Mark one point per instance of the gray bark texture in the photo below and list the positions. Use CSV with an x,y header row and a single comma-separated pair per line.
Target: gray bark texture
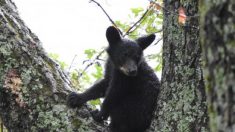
x,y
218,41
182,102
33,89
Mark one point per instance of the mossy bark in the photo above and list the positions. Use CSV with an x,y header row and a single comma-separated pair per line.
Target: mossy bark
x,y
33,89
218,41
182,102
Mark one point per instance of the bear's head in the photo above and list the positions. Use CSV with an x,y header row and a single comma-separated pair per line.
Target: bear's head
x,y
126,54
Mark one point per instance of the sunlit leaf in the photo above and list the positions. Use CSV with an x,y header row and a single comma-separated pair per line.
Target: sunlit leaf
x,y
90,53
95,102
158,67
136,11
99,72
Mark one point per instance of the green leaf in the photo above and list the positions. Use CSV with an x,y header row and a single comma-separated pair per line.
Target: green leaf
x,y
74,75
99,72
158,67
136,11
95,102
90,53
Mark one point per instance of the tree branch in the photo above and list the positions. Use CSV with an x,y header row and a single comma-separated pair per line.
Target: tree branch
x,y
94,61
158,41
134,25
72,62
110,19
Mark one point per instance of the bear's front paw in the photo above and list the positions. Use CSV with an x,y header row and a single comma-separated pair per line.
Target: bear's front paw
x,y
96,115
74,100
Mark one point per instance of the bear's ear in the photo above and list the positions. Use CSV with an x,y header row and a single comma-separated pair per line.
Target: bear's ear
x,y
112,35
145,41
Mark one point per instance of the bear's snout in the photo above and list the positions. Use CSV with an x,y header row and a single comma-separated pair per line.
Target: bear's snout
x,y
132,72
129,68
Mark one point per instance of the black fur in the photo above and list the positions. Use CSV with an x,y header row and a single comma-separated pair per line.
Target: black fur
x,y
130,88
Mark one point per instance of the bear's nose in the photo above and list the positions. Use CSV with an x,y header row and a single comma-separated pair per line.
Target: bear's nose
x,y
132,72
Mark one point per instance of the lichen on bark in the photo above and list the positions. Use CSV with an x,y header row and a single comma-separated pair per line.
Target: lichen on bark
x,y
33,88
182,102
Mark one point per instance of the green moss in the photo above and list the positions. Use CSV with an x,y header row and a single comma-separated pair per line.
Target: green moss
x,y
182,107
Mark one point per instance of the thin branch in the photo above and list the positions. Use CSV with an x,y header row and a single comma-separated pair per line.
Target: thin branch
x,y
134,25
104,12
94,61
101,59
72,62
158,31
110,19
158,41
84,70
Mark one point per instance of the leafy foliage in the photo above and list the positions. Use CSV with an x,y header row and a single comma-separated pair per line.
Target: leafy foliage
x,y
90,53
136,11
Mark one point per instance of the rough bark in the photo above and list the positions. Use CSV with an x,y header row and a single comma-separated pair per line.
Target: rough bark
x,y
218,40
182,102
33,89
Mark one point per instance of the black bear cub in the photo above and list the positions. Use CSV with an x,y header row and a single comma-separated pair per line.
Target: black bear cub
x,y
130,88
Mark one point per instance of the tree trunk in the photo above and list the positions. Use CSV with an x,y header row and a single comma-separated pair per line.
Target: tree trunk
x,y
218,40
33,89
182,101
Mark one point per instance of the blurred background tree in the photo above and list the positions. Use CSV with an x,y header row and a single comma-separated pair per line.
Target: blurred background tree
x,y
218,41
